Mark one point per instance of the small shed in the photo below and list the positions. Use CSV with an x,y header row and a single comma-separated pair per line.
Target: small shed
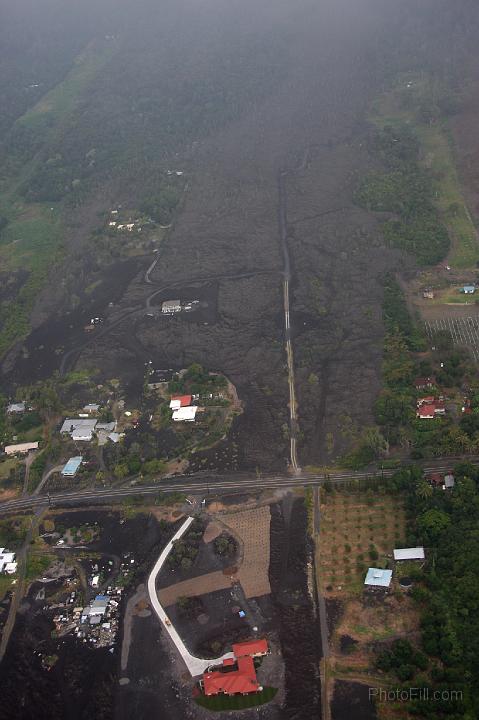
x,y
377,577
449,481
415,553
469,289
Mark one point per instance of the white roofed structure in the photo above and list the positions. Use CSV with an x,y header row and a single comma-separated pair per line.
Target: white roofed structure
x,y
415,553
21,448
186,414
377,577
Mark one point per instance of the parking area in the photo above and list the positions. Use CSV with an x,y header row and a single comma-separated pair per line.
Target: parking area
x,y
464,331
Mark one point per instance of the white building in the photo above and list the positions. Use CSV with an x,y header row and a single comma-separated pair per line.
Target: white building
x,y
171,306
21,448
186,414
7,561
415,553
79,428
16,408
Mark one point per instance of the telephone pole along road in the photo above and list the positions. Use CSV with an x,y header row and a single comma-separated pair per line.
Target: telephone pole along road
x,y
203,486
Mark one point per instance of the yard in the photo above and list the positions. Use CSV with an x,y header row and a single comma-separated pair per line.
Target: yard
x,y
358,530
236,702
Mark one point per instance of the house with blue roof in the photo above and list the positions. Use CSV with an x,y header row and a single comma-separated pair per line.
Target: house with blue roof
x,y
71,468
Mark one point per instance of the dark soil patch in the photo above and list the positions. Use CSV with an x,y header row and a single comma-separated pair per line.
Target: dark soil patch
x,y
46,344
351,700
83,681
334,611
223,628
296,616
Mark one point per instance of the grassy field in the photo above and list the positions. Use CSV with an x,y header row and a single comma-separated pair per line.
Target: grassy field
x,y
33,239
358,530
400,105
61,99
237,702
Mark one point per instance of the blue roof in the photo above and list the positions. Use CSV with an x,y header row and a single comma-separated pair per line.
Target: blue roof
x,y
378,577
469,288
72,465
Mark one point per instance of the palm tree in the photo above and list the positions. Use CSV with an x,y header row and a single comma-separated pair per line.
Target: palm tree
x,y
423,490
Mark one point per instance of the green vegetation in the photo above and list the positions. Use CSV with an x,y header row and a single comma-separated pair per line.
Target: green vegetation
x,y
406,190
422,105
447,591
236,702
197,381
36,565
13,531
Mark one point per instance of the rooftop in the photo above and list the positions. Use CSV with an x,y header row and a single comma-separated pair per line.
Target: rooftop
x,y
185,413
377,577
250,648
72,465
415,553
178,401
243,680
73,425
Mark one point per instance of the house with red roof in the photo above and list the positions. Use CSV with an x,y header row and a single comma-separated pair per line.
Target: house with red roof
x,y
251,648
426,412
179,401
241,681
237,676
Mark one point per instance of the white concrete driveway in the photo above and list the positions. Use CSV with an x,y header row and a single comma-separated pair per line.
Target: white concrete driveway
x,y
195,665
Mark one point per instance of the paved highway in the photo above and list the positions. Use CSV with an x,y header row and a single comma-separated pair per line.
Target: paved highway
x,y
211,485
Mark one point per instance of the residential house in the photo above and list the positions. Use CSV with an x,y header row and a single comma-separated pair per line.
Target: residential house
x,y
71,467
186,414
178,401
16,408
21,448
378,578
171,306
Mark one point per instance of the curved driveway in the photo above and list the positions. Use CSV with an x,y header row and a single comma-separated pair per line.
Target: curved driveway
x,y
195,665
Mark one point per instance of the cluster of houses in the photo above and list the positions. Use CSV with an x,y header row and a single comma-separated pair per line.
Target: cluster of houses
x,y
380,578
97,623
84,427
183,410
129,226
237,674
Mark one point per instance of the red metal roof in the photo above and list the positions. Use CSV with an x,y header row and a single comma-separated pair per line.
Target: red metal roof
x,y
242,680
185,400
426,411
250,647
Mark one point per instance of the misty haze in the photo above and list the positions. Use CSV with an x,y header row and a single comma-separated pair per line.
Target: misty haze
x,y
239,347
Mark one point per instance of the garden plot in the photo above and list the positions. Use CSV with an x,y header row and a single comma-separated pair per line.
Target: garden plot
x,y
358,530
464,331
253,527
